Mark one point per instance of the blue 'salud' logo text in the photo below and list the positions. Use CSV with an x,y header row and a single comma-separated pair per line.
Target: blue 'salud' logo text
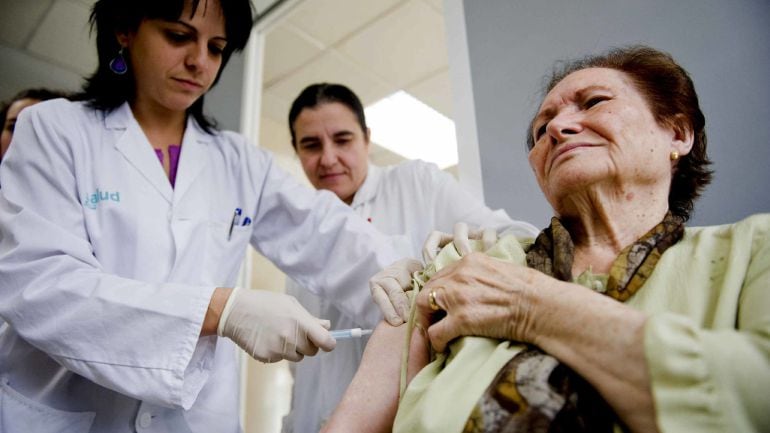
x,y
92,200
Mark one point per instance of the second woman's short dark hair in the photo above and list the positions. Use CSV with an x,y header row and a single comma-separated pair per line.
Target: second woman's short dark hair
x,y
672,99
36,93
324,93
106,90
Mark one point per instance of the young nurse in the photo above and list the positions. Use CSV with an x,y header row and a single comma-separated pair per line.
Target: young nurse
x,y
123,220
407,202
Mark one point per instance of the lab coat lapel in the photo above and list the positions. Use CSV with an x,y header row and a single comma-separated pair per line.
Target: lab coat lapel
x,y
364,198
135,147
193,159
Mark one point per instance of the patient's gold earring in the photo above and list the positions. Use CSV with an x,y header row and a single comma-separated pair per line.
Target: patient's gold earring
x,y
674,155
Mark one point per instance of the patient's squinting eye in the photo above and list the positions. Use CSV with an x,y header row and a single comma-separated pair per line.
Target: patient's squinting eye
x,y
540,131
590,102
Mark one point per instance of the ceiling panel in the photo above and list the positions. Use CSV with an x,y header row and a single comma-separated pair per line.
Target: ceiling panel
x,y
63,37
261,6
435,91
19,19
331,20
285,51
406,46
88,3
335,68
437,4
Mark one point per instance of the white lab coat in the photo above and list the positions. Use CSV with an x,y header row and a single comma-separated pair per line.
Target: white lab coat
x,y
406,201
106,271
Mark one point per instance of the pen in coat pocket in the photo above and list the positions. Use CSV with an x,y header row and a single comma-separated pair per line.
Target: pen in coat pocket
x,y
234,222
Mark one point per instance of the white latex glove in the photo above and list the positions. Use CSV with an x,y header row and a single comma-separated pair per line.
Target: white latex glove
x,y
388,288
272,326
461,239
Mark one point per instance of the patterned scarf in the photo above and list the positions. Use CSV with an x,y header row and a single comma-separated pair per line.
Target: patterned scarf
x,y
534,392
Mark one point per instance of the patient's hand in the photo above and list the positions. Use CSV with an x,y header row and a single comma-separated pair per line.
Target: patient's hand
x,y
483,296
371,400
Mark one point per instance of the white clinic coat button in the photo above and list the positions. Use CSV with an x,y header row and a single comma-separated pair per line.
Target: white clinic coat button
x,y
145,420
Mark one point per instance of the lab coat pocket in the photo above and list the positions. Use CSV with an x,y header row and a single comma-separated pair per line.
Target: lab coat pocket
x,y
224,251
227,240
19,414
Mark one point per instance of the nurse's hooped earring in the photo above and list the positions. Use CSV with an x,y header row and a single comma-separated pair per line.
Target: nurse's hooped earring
x,y
118,65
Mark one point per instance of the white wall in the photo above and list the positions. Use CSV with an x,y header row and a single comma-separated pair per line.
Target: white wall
x,y
725,45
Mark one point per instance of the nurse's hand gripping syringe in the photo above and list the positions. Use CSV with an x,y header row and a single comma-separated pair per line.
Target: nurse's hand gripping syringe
x,y
344,334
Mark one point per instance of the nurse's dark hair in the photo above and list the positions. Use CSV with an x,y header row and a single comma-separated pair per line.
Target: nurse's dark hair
x,y
671,97
36,93
324,93
106,90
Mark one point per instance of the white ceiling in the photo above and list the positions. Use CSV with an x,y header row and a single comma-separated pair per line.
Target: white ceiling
x,y
374,47
53,30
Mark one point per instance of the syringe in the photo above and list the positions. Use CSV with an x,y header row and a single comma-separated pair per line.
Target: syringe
x,y
344,334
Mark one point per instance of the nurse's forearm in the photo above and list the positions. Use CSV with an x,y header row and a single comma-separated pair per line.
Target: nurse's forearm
x,y
214,311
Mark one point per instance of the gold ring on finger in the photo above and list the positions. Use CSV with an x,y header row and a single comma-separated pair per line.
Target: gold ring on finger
x,y
432,301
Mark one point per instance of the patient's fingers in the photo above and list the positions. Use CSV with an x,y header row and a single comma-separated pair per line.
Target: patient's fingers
x,y
438,335
432,305
436,317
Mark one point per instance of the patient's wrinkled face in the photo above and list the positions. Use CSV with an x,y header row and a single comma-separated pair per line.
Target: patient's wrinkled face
x,y
595,128
332,148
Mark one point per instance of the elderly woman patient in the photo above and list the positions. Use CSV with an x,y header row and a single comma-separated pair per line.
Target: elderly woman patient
x,y
623,319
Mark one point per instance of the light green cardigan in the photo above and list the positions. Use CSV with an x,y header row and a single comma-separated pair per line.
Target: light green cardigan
x,y
707,341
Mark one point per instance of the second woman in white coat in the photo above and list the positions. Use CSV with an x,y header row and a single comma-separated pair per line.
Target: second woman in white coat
x,y
406,202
